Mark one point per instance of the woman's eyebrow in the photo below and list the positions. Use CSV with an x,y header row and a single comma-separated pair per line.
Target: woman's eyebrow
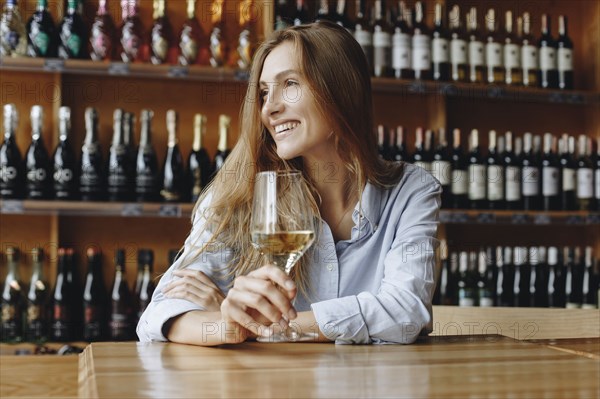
x,y
279,75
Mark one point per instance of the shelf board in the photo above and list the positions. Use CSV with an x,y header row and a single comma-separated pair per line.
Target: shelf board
x,y
184,210
230,75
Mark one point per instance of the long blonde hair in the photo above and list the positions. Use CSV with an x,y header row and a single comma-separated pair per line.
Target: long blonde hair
x,y
335,67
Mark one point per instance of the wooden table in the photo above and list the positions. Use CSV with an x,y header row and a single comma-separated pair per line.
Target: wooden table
x,y
458,366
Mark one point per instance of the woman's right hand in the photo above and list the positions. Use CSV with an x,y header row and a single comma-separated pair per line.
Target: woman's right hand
x,y
259,299
196,287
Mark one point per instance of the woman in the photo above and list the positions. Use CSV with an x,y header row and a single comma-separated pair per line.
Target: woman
x,y
369,277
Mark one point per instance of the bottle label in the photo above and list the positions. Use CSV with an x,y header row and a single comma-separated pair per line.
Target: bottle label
x,y
464,299
597,180
8,178
585,183
486,302
568,179
40,42
439,50
512,56
550,181
189,50
364,38
442,171
458,52
495,183
421,52
547,58
73,44
460,182
476,57
493,54
565,59
100,44
381,38
477,182
513,183
160,46
424,165
401,51
63,175
61,312
529,57
531,181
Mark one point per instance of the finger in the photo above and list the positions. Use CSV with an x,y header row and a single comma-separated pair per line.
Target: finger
x,y
233,313
209,299
196,274
188,283
275,274
262,296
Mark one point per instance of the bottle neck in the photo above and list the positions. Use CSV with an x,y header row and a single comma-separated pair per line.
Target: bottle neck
x,y
526,24
159,9
71,7
419,12
191,9
545,25
472,20
547,143
172,129
438,15
13,267
509,23
456,139
90,128
562,25
102,9
491,21
223,133
474,141
509,144
42,5
199,125
492,141
146,133
117,129
217,12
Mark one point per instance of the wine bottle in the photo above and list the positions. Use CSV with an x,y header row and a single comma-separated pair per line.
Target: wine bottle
x,y
223,147
11,171
37,300
323,13
382,142
283,17
64,169
529,54
475,49
522,277
451,295
568,173
530,176
440,53
460,176
564,56
590,281
91,175
339,17
300,16
146,289
540,270
363,32
467,289
486,283
458,47
119,173
421,45
37,162
121,323
64,321
133,34
103,36
401,51
495,175
507,297
421,156
11,329
41,32
494,51
218,42
13,36
576,273
399,152
548,74
173,170
382,43
95,299
247,39
477,174
550,175
199,164
440,287
193,43
161,35
512,53
585,176
128,140
146,167
73,34
441,168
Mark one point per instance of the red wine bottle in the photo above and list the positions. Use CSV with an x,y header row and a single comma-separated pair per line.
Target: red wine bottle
x,y
550,175
64,324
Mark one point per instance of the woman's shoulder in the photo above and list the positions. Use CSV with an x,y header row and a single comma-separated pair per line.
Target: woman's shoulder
x,y
415,179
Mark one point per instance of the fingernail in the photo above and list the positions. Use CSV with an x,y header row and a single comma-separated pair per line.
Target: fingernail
x,y
290,285
283,323
292,314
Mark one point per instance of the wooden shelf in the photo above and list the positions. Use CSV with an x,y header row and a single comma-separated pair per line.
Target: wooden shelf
x,y
539,218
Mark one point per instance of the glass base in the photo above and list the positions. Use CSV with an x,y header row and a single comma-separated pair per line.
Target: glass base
x,y
291,336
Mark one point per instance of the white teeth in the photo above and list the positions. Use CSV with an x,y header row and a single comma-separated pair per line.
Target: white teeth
x,y
285,126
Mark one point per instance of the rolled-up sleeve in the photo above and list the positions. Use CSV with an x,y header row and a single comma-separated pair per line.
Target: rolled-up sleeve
x,y
401,308
212,262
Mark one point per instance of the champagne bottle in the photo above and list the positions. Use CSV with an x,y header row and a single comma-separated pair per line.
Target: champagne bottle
x,y
146,288
91,175
421,156
382,142
486,283
477,174
120,325
507,297
494,51
37,162
475,49
540,270
11,171
300,15
146,176
64,319
399,152
440,55
119,173
382,43
363,31
460,176
401,51
530,176
11,329
64,173
13,36
247,39
529,54
556,280
173,170
550,175
133,34
568,174
103,37
37,300
512,53
218,42
512,176
585,176
575,274
223,147
192,39
548,74
95,299
199,164
41,32
458,47
564,56
421,45
73,34
522,277
161,36
495,175
441,168
467,289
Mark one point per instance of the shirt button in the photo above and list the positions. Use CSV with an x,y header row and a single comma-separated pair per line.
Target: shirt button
x,y
330,267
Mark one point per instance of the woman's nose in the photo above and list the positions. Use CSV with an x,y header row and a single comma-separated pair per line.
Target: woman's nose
x,y
273,103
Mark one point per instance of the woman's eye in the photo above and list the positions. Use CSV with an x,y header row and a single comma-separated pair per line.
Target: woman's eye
x,y
264,94
291,83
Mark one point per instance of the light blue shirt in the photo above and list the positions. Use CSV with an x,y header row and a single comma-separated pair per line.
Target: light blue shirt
x,y
375,287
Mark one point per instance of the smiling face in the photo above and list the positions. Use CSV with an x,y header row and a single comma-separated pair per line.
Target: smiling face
x,y
289,110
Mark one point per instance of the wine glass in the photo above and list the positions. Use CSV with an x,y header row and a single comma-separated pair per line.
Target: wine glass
x,y
282,228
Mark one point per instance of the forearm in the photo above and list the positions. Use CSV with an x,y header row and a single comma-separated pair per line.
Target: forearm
x,y
202,328
306,322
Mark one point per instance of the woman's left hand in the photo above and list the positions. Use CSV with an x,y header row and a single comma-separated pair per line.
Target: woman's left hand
x,y
196,287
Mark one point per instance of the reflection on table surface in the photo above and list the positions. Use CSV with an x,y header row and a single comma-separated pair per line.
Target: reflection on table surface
x,y
433,367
